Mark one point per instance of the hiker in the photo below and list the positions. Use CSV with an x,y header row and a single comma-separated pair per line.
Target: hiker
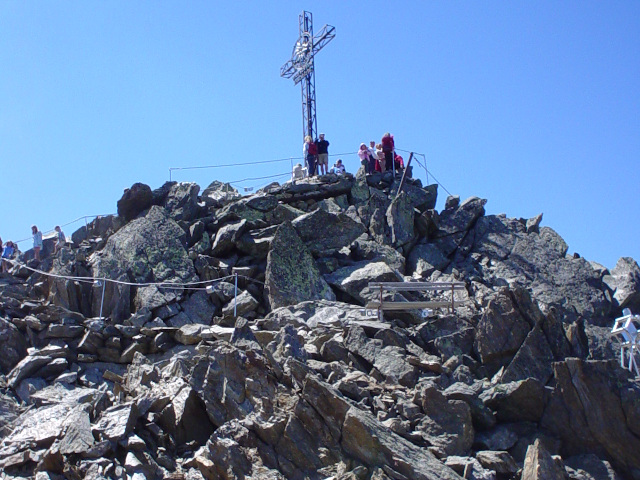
x,y
338,168
399,163
310,152
60,239
9,249
372,156
37,241
380,162
0,247
298,172
388,146
323,154
363,154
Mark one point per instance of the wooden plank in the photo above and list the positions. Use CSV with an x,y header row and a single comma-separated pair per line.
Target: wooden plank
x,y
417,286
412,305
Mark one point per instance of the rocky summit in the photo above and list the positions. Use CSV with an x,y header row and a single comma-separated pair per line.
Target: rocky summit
x,y
218,336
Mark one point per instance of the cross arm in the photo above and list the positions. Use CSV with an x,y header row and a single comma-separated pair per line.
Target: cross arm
x,y
323,37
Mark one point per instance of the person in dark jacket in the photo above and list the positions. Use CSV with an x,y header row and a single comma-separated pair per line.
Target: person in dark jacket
x,y
388,147
323,155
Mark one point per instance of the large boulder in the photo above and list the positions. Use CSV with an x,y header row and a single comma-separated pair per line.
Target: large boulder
x,y
540,465
146,250
292,275
323,231
134,200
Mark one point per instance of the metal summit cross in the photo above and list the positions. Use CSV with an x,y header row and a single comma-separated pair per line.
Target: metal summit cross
x,y
300,67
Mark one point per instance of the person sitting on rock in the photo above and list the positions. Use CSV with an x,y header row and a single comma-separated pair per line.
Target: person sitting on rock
x,y
298,172
61,240
7,253
37,241
338,168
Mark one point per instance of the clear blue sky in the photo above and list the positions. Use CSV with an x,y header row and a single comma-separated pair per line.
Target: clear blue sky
x,y
532,105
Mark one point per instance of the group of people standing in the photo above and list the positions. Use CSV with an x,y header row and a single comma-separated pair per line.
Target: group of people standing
x,y
375,158
8,250
381,157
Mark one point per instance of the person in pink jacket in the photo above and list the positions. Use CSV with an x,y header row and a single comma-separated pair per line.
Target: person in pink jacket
x,y
388,147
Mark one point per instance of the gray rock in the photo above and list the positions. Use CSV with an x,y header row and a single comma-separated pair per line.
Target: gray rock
x,y
516,401
539,465
424,259
226,237
181,201
373,252
292,275
219,193
27,367
500,462
400,216
244,304
374,445
354,279
501,329
78,437
447,425
591,410
147,249
322,231
12,345
199,308
625,283
533,359
116,422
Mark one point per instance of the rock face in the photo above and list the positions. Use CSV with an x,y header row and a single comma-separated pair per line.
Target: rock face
x,y
234,343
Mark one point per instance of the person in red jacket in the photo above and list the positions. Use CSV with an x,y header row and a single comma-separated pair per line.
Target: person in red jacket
x,y
388,147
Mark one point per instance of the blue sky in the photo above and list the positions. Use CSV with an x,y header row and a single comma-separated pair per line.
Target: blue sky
x,y
532,105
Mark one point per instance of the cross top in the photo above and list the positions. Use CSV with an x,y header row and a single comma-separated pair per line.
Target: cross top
x,y
301,67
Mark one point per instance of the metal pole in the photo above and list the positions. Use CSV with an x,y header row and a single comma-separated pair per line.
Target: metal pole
x,y
452,298
380,306
169,174
235,298
104,284
404,174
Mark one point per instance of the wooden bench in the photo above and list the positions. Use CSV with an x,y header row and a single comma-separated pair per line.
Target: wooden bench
x,y
380,305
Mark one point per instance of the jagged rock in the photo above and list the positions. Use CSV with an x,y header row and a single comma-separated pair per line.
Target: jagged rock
x,y
447,425
501,329
185,418
590,411
12,345
199,308
452,202
150,248
116,422
226,238
516,401
219,193
424,259
500,462
400,217
533,224
483,418
624,280
421,199
354,279
134,200
533,359
373,252
242,305
322,231
374,445
256,242
539,465
27,367
78,437
292,275
181,201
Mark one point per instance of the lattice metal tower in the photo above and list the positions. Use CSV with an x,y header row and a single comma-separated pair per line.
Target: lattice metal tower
x,y
301,68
